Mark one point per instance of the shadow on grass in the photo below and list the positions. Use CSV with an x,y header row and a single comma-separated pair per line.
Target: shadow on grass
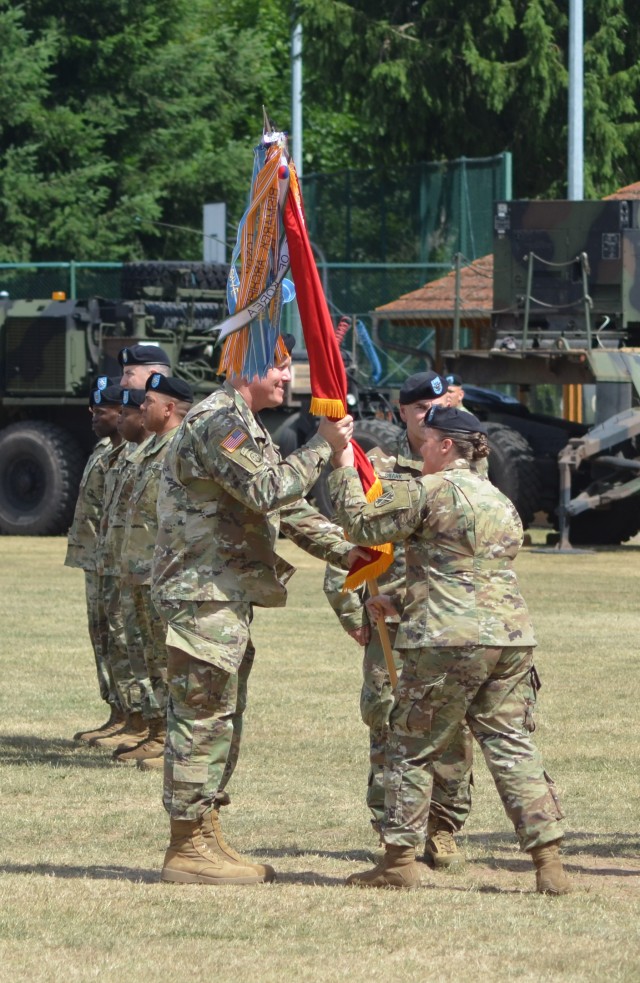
x,y
134,874
602,846
25,749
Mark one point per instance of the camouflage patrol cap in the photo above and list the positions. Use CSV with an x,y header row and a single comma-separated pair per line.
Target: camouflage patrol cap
x,y
451,420
142,354
133,397
422,385
109,396
170,386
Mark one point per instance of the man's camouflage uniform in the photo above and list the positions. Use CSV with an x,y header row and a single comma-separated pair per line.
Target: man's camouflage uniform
x,y
122,651
451,796
466,640
141,528
224,496
81,552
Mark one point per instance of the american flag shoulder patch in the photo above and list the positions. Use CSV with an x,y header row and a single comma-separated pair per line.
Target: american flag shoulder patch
x,y
234,439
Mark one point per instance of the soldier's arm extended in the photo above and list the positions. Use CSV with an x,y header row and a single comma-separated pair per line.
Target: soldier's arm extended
x,y
314,533
392,517
348,605
232,457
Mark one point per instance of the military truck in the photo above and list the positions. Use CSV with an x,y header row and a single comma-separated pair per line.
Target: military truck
x,y
51,351
566,312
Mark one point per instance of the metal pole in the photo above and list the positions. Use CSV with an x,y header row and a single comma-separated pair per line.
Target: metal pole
x,y
296,97
575,162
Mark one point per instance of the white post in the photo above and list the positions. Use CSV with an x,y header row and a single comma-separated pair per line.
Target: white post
x,y
296,97
575,162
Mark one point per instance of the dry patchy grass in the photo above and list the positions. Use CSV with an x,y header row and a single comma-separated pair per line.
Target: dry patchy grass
x,y
83,839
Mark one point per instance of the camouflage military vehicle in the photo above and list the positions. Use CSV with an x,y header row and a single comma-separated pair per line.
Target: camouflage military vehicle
x,y
566,311
52,350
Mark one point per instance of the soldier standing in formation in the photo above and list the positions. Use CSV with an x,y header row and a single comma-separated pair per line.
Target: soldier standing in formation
x,y
83,539
467,642
451,797
167,401
225,494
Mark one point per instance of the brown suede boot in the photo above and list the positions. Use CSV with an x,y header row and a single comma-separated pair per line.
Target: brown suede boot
x,y
151,747
113,724
550,875
151,764
133,732
398,869
441,850
216,842
189,860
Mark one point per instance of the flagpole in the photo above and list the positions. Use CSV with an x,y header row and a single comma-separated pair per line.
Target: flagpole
x,y
383,632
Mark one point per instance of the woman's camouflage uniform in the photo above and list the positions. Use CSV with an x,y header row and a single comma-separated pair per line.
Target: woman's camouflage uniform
x,y
451,795
466,640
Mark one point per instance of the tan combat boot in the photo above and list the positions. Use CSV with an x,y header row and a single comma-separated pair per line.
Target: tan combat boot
x,y
216,842
133,732
151,764
550,875
113,724
398,868
189,860
151,747
441,850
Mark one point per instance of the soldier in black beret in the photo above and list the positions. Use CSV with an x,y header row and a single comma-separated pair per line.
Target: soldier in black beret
x,y
139,361
170,386
452,420
456,392
423,385
109,396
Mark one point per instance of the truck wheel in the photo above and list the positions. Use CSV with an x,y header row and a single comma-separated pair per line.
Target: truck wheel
x,y
40,470
202,276
369,434
512,469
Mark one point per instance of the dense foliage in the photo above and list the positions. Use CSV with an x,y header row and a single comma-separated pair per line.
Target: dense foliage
x,y
119,113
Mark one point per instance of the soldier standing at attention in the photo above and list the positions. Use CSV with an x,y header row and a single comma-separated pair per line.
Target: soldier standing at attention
x,y
140,361
451,796
122,650
166,403
82,542
225,494
467,642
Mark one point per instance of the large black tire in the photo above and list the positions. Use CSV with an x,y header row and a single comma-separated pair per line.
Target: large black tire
x,y
512,469
203,276
369,434
40,470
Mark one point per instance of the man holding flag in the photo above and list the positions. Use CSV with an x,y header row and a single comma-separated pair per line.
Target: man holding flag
x,y
225,495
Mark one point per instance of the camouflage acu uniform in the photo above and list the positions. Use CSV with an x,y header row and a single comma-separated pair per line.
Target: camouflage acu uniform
x,y
122,651
467,641
224,496
451,796
81,552
140,531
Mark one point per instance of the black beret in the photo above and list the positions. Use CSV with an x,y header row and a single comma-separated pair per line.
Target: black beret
x,y
289,342
143,355
451,420
423,385
454,380
109,396
170,386
133,397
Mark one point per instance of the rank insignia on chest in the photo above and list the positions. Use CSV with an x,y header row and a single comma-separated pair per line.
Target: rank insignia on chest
x,y
234,439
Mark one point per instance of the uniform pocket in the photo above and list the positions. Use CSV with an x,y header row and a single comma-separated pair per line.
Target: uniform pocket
x,y
416,704
532,685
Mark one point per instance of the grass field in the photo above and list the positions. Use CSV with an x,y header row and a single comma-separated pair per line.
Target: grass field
x,y
83,839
